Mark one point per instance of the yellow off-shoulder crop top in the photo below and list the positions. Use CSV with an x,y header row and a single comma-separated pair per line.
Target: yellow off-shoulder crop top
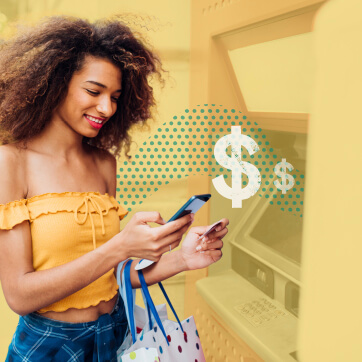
x,y
65,226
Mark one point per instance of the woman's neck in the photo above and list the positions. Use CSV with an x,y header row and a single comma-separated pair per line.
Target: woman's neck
x,y
59,140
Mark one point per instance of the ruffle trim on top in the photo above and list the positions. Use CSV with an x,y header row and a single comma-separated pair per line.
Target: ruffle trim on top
x,y
64,304
13,213
16,212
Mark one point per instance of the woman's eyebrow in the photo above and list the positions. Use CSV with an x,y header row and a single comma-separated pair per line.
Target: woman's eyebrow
x,y
100,84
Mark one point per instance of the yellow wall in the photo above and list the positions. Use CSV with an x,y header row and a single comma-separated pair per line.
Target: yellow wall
x,y
331,316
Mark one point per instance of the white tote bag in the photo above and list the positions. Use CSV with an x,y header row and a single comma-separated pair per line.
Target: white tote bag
x,y
141,318
174,341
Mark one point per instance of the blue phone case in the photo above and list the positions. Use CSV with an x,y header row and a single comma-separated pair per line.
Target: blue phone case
x,y
191,206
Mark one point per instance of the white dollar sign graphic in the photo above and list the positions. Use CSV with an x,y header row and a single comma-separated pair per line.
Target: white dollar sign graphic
x,y
278,169
234,163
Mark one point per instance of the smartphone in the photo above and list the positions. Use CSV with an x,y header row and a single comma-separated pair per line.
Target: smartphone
x,y
191,206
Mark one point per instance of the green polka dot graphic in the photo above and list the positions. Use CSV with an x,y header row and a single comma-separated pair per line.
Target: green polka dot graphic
x,y
184,146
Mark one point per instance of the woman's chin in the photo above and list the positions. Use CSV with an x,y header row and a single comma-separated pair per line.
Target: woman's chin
x,y
90,132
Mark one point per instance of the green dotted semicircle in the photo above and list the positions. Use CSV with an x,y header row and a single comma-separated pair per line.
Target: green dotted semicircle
x,y
185,146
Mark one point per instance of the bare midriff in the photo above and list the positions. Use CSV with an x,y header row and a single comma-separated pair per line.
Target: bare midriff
x,y
74,315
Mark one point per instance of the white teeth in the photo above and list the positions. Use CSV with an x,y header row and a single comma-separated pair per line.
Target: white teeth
x,y
94,119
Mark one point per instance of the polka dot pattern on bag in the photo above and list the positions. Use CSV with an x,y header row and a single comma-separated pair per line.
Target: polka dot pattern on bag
x,y
179,347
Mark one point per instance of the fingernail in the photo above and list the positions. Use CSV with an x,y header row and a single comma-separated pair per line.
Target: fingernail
x,y
198,247
205,238
218,228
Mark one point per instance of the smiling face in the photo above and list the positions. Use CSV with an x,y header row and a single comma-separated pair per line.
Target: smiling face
x,y
91,99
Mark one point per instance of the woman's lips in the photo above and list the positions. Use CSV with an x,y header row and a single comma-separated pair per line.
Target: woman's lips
x,y
94,121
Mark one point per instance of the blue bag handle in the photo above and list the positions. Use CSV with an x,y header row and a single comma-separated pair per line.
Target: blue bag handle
x,y
151,304
128,294
170,304
148,301
149,316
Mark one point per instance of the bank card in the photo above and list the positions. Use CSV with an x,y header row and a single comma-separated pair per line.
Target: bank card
x,y
208,231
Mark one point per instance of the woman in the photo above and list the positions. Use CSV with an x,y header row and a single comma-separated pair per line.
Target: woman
x,y
69,93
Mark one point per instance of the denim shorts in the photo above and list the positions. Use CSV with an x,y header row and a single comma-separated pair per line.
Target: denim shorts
x,y
38,338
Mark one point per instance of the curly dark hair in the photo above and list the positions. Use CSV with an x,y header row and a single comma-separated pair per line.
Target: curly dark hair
x,y
37,65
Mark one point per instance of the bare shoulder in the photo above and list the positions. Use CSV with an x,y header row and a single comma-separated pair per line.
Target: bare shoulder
x,y
12,180
107,166
105,160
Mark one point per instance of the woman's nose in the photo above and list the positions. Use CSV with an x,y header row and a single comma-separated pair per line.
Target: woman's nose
x,y
104,107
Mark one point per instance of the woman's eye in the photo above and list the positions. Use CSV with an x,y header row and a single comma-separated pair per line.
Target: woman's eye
x,y
95,93
92,92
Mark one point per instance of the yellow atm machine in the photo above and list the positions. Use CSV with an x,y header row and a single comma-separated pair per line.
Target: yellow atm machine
x,y
257,58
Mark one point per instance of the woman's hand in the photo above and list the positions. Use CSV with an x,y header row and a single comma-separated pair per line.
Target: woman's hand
x,y
139,240
200,254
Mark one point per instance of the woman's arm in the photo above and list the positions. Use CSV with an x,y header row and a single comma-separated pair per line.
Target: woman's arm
x,y
27,290
187,258
24,289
